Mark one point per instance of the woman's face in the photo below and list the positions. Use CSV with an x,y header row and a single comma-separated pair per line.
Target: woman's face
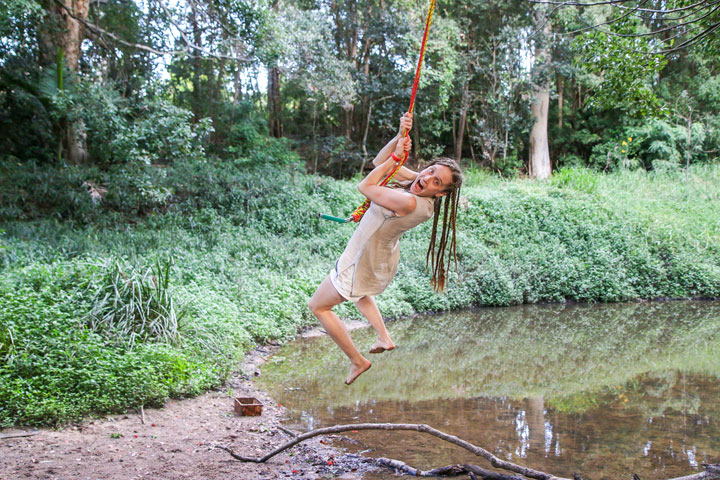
x,y
432,182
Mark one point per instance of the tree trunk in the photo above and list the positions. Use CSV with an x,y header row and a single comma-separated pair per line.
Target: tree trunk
x,y
274,107
219,80
274,103
348,122
314,133
199,103
539,162
237,93
560,88
470,143
67,34
367,129
464,103
539,166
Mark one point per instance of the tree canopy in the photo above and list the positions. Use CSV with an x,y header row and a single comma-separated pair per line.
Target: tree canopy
x,y
333,77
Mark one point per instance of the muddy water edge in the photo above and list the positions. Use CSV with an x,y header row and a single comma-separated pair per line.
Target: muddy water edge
x,y
602,390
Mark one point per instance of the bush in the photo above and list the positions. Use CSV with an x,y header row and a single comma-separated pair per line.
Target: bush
x,y
57,369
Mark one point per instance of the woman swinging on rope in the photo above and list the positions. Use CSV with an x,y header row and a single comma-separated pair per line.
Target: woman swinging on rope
x,y
370,260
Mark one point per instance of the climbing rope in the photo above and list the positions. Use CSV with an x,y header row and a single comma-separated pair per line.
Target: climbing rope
x,y
360,211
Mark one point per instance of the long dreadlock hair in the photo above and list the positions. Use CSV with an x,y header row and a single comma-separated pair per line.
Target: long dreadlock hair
x,y
439,254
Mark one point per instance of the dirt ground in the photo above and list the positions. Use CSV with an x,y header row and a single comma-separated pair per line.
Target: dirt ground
x,y
175,442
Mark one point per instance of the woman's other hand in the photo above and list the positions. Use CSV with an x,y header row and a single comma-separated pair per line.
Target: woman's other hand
x,y
404,145
405,123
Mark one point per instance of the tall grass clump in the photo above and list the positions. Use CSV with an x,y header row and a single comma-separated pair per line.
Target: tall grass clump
x,y
131,305
579,179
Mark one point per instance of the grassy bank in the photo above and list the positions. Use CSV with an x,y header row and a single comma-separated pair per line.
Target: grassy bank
x,y
159,290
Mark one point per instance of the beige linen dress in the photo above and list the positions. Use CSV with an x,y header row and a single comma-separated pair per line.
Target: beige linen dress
x,y
370,260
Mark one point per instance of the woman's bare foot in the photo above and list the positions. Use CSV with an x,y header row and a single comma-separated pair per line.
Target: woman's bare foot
x,y
357,370
381,346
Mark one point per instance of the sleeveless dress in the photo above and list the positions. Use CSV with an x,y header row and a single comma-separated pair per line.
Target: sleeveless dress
x,y
370,260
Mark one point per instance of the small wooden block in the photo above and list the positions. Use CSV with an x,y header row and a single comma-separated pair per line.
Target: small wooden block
x,y
248,406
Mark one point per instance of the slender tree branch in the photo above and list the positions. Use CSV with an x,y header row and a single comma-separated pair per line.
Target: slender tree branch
x,y
636,35
609,22
695,14
617,3
578,4
186,51
694,10
100,31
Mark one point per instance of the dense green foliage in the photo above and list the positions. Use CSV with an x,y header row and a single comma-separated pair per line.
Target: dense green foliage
x,y
243,251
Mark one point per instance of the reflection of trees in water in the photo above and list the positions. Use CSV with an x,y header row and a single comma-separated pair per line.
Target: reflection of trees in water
x,y
600,389
574,356
607,443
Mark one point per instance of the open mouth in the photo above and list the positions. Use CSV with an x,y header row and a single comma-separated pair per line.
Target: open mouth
x,y
418,186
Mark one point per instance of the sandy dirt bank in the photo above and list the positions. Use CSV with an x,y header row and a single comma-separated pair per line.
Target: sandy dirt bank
x,y
174,442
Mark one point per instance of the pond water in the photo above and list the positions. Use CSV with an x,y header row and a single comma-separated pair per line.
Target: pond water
x,y
601,390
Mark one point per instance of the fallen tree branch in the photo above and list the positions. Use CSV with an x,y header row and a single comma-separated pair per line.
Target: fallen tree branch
x,y
447,471
711,472
479,451
288,431
18,435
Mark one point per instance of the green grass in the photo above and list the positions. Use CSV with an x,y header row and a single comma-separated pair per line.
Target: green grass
x,y
248,250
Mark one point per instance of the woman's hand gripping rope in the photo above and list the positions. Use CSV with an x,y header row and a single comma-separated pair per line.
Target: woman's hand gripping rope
x,y
403,147
405,124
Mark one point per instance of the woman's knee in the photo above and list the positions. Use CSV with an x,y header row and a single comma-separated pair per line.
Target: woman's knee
x,y
365,302
324,298
317,305
313,305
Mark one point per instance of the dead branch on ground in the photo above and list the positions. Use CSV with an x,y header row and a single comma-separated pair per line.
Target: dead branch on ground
x,y
18,435
711,472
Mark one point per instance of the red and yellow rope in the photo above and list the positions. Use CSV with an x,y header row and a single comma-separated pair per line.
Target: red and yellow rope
x,y
360,211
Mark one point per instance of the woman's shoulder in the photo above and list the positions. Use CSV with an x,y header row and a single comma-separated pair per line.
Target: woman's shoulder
x,y
424,200
425,205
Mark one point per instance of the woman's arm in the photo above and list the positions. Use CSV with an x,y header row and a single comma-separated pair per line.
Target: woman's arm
x,y
398,201
404,173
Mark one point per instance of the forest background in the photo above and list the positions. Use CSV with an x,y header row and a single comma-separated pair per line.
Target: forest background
x,y
162,165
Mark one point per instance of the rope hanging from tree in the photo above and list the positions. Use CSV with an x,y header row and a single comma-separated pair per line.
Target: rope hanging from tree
x,y
360,211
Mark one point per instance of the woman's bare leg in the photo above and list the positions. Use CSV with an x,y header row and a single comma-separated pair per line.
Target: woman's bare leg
x,y
321,304
370,310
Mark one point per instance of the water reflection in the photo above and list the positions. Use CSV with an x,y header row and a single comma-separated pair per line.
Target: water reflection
x,y
603,390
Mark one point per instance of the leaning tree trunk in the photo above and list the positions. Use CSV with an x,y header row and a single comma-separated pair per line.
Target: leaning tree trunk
x,y
539,163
